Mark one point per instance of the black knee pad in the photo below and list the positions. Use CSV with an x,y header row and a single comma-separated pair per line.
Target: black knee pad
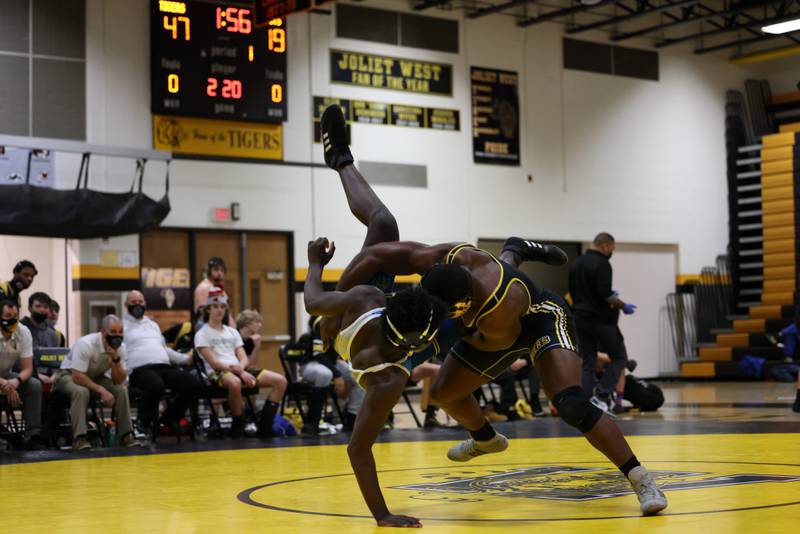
x,y
574,407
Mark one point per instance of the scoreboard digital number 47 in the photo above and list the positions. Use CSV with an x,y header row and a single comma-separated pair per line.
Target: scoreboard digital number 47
x,y
209,60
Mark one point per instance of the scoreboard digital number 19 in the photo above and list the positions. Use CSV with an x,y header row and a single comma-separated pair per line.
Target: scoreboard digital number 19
x,y
209,60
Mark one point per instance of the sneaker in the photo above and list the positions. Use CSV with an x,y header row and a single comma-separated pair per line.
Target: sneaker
x,y
651,499
523,409
432,422
81,444
469,448
533,251
537,409
129,440
334,138
603,405
492,416
618,409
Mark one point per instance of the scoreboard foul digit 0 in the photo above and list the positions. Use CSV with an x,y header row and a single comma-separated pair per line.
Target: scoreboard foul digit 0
x,y
209,60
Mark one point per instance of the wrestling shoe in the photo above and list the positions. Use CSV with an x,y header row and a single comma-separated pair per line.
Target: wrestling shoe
x,y
469,448
532,251
651,499
604,405
334,138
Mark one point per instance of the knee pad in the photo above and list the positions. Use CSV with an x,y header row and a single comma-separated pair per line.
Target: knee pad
x,y
574,407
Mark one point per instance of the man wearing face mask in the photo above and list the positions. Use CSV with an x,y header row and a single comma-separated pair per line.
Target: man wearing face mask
x,y
96,366
154,367
596,307
43,334
24,273
20,388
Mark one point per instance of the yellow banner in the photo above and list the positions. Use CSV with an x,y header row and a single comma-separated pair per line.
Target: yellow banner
x,y
204,137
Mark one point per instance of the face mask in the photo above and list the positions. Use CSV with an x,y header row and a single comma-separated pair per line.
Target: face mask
x,y
9,325
39,318
114,341
19,284
136,311
609,255
51,323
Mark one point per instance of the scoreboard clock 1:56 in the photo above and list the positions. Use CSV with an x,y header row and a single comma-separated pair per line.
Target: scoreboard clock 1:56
x,y
209,60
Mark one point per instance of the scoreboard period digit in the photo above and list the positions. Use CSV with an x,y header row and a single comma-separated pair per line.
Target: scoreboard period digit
x,y
209,60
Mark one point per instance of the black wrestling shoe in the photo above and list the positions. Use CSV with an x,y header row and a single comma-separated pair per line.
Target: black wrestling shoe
x,y
533,251
334,138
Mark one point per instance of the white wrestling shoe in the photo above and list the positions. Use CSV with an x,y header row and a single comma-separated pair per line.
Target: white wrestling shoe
x,y
651,499
469,448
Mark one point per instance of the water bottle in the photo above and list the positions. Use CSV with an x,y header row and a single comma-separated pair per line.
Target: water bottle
x,y
112,433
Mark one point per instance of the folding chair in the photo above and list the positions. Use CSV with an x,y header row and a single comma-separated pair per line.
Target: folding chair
x,y
211,392
292,356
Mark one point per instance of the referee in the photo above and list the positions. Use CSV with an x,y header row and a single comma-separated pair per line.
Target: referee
x,y
596,307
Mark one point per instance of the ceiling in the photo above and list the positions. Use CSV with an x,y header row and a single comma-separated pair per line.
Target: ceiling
x,y
730,27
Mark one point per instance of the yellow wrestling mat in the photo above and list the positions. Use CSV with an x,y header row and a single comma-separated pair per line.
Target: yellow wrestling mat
x,y
715,484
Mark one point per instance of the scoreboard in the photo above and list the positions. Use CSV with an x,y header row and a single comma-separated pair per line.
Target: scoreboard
x,y
209,60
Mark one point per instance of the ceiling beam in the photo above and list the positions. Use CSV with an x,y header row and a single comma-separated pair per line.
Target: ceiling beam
x,y
738,42
558,13
711,33
425,4
496,8
630,16
696,18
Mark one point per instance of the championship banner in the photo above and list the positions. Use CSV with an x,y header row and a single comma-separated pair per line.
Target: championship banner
x,y
379,113
204,137
495,116
384,72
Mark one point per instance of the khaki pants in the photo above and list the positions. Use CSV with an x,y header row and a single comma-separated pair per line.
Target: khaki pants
x,y
79,403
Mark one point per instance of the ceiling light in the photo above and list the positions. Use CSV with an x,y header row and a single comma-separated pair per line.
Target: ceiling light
x,y
782,27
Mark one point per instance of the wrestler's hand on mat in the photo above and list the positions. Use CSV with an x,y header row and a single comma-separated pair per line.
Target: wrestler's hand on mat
x,y
320,251
402,521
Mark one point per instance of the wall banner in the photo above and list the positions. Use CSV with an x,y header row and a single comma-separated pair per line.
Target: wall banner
x,y
495,116
205,137
384,72
379,113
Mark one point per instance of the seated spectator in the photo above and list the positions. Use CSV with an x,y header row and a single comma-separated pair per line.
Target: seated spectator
x,y
154,368
16,347
55,310
85,371
226,363
24,273
37,322
249,323
42,333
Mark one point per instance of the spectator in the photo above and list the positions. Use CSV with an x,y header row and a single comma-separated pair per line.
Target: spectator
x,y
596,308
43,334
24,273
55,310
153,368
86,370
16,347
214,277
226,363
249,323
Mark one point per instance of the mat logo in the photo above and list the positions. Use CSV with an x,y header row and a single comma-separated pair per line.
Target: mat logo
x,y
569,483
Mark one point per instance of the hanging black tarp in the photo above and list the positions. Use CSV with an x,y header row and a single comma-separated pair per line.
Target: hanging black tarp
x,y
80,213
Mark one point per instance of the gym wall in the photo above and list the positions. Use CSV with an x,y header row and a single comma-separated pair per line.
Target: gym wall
x,y
643,160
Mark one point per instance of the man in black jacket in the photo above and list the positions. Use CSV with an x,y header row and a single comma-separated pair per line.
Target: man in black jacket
x,y
596,307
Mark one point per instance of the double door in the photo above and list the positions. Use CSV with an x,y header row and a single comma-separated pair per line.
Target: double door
x,y
259,275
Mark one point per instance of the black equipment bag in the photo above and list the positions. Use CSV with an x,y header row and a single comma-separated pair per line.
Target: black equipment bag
x,y
80,213
643,395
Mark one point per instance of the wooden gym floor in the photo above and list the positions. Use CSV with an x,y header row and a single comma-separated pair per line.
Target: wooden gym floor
x,y
728,455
